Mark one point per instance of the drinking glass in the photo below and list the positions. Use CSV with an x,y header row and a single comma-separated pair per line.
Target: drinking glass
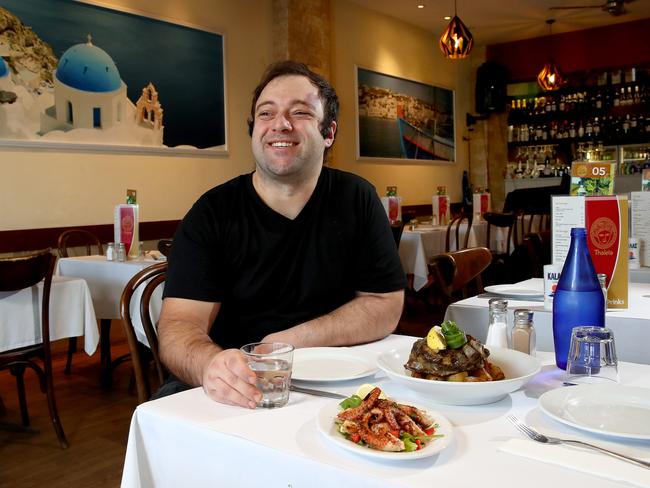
x,y
592,356
271,362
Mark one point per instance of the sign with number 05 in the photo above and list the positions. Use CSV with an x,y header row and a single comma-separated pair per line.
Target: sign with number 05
x,y
592,178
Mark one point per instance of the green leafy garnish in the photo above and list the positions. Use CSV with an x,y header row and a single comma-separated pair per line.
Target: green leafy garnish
x,y
453,335
351,402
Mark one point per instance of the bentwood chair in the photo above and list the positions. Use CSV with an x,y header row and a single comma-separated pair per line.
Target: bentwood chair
x,y
165,247
398,229
457,275
17,274
142,357
453,228
87,242
503,222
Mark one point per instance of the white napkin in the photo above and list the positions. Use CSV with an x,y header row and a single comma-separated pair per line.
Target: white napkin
x,y
585,461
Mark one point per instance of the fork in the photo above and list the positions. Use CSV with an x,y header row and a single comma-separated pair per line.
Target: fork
x,y
538,437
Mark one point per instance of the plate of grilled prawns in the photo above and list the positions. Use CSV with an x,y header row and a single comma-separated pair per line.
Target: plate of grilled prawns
x,y
371,424
453,368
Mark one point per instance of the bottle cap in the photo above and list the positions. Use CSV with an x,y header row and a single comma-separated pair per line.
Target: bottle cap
x,y
498,304
523,315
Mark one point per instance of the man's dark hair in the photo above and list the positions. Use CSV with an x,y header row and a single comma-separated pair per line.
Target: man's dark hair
x,y
325,92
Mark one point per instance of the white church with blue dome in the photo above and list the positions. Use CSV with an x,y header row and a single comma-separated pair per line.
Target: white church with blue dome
x,y
89,94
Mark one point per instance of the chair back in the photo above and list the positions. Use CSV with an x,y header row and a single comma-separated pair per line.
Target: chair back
x,y
78,238
16,274
165,247
503,220
147,281
453,228
453,273
538,252
398,229
529,223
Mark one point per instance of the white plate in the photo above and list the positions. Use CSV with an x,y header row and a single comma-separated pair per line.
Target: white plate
x,y
329,364
518,368
329,429
514,291
615,410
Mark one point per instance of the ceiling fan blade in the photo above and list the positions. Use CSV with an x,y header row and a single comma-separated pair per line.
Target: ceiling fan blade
x,y
576,7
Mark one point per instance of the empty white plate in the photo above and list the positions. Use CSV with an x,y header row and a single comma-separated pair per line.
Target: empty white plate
x,y
515,290
614,410
330,364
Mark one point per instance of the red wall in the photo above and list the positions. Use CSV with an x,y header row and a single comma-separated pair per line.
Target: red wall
x,y
619,45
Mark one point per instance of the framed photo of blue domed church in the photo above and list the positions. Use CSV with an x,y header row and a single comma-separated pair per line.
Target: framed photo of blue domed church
x,y
75,73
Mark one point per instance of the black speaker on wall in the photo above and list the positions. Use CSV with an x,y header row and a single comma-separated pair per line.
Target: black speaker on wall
x,y
491,80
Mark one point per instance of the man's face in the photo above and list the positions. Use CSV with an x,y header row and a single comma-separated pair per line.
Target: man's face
x,y
286,136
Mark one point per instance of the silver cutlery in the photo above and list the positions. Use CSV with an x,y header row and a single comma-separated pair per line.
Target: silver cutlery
x,y
538,437
311,391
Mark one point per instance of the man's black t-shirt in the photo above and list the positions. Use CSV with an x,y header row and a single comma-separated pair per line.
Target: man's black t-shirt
x,y
269,272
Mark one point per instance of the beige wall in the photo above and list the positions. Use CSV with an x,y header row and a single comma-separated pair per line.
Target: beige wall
x,y
374,41
44,188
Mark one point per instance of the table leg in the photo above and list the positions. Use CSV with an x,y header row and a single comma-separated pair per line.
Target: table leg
x,y
106,378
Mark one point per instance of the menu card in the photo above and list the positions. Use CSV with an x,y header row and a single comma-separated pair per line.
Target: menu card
x,y
480,204
592,178
640,213
441,209
393,207
125,227
605,219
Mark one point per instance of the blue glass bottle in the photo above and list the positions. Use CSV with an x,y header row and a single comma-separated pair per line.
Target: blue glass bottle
x,y
578,297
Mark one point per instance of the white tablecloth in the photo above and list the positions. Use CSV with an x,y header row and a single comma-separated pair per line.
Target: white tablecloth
x,y
189,440
71,315
631,326
106,279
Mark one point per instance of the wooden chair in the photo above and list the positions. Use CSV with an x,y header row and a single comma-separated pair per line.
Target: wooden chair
x,y
141,356
165,247
87,240
529,223
538,252
17,274
398,229
457,275
454,228
497,272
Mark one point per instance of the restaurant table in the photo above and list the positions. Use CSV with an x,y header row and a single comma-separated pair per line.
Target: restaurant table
x,y
189,440
71,315
640,275
106,280
419,245
631,326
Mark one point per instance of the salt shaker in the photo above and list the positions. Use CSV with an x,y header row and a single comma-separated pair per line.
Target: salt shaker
x,y
523,333
110,252
121,252
498,328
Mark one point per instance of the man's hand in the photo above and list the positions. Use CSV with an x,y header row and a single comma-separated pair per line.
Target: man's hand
x,y
228,379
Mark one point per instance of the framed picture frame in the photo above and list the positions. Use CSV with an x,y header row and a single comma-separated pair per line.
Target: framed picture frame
x,y
99,78
403,121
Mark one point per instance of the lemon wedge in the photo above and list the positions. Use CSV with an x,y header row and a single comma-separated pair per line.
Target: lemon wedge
x,y
366,388
435,339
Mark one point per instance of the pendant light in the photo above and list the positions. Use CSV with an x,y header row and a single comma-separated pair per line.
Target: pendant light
x,y
456,41
550,78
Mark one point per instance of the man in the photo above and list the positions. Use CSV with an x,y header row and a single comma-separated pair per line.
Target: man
x,y
293,252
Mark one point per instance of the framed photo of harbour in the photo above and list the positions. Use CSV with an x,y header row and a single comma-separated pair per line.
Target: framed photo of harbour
x,y
400,120
80,75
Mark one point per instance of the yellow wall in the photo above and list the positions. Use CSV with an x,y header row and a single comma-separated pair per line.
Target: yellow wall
x,y
374,41
45,188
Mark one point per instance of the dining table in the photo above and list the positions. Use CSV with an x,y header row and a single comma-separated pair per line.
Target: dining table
x,y
631,326
419,243
106,281
187,439
71,314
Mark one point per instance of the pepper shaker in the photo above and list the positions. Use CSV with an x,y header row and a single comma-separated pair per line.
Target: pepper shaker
x,y
523,333
121,252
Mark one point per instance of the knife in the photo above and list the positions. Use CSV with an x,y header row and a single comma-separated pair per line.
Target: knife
x,y
310,391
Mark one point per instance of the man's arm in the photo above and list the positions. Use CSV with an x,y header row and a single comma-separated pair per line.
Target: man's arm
x,y
189,353
366,318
